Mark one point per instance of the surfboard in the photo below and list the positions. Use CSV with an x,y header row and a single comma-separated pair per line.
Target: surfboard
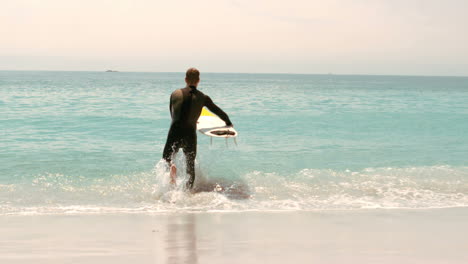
x,y
211,125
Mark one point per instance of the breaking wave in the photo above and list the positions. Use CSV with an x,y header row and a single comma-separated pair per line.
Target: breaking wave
x,y
306,189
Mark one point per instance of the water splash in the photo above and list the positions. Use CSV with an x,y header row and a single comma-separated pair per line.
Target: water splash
x,y
307,189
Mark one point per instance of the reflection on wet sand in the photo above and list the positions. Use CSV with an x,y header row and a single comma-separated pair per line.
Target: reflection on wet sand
x,y
181,240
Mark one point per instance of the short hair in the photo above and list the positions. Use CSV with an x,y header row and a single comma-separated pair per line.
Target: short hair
x,y
192,76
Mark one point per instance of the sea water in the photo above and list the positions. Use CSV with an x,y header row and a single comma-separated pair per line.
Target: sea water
x,y
91,142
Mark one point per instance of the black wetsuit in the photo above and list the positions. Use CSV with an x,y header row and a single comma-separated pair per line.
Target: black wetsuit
x,y
185,106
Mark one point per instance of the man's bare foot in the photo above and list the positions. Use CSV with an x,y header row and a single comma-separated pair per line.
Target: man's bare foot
x,y
173,174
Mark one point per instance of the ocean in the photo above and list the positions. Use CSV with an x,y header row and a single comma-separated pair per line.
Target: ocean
x,y
91,143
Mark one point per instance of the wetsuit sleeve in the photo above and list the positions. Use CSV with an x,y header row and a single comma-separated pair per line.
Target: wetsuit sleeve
x,y
217,111
170,105
175,105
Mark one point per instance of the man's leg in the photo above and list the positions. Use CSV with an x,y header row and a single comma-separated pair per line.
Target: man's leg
x,y
190,151
190,158
170,149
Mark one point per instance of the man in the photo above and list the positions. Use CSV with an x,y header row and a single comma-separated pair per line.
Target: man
x,y
185,106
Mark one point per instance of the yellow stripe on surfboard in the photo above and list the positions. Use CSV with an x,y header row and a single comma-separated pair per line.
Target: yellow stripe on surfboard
x,y
206,112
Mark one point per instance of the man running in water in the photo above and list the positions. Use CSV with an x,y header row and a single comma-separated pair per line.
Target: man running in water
x,y
185,106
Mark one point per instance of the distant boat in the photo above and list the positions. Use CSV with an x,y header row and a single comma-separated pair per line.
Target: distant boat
x,y
111,71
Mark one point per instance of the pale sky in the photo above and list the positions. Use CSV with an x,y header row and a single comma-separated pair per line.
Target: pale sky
x,y
409,37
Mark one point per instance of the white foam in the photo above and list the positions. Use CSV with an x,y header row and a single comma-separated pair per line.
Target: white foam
x,y
307,189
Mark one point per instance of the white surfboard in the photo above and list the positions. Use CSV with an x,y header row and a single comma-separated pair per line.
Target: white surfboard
x,y
211,125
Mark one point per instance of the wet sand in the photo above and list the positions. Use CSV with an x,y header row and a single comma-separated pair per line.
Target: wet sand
x,y
361,236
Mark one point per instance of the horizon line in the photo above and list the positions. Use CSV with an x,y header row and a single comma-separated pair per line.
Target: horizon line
x,y
265,73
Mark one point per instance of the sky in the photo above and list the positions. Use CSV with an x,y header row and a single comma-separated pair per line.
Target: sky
x,y
395,37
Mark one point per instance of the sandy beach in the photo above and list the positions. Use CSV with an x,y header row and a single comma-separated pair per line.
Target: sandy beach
x,y
367,236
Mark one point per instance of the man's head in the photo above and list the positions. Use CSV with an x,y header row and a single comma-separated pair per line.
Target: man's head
x,y
192,77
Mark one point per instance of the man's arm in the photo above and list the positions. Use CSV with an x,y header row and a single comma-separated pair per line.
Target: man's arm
x,y
217,111
176,105
170,105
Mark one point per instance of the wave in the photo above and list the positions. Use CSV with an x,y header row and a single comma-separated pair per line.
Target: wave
x,y
306,189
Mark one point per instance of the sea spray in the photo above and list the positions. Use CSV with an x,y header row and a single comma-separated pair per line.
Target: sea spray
x,y
307,189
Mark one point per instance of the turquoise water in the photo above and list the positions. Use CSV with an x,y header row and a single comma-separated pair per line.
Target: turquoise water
x,y
75,142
